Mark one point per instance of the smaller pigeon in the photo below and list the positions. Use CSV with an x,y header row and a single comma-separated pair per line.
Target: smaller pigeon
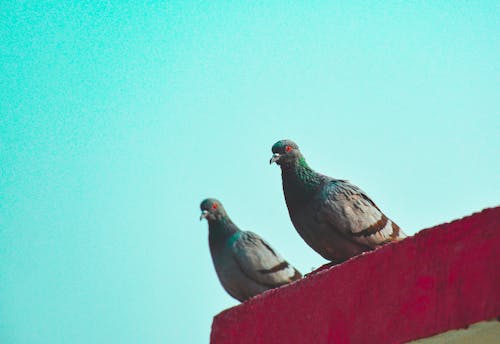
x,y
245,264
336,218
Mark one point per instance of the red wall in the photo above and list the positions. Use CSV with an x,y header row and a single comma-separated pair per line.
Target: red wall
x,y
442,278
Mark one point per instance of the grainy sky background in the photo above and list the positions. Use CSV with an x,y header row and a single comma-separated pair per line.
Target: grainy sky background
x,y
118,118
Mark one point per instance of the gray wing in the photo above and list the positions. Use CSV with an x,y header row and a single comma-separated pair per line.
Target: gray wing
x,y
261,263
348,209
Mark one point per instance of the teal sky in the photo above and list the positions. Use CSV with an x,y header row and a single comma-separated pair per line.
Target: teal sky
x,y
117,119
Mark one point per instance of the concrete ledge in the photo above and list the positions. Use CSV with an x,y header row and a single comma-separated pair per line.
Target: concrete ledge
x,y
443,278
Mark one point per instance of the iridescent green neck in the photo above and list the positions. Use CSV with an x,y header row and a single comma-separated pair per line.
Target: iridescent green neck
x,y
221,229
302,163
300,182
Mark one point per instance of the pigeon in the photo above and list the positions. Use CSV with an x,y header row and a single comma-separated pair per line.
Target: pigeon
x,y
336,218
245,264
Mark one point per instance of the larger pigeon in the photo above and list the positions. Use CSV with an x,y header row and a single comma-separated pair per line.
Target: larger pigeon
x,y
337,219
245,264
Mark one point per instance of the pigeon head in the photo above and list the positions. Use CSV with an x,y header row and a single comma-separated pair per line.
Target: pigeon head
x,y
285,152
212,210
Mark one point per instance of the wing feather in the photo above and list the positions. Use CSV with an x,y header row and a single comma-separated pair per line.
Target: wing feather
x,y
261,263
348,209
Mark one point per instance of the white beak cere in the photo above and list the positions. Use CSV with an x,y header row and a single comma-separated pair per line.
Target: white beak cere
x,y
274,158
204,214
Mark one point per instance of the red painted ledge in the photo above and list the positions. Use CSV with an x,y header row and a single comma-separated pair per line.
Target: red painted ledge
x,y
443,278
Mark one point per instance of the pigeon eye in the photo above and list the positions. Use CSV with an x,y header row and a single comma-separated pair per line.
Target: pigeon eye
x,y
288,148
214,206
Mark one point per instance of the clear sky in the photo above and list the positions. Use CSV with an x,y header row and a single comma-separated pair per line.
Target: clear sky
x,y
117,119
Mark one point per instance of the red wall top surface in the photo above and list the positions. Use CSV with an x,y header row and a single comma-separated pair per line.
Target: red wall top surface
x,y
442,278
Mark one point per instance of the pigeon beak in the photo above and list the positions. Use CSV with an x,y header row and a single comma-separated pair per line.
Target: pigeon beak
x,y
275,157
203,215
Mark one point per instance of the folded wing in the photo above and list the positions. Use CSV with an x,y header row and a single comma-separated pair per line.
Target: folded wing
x,y
259,262
348,209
